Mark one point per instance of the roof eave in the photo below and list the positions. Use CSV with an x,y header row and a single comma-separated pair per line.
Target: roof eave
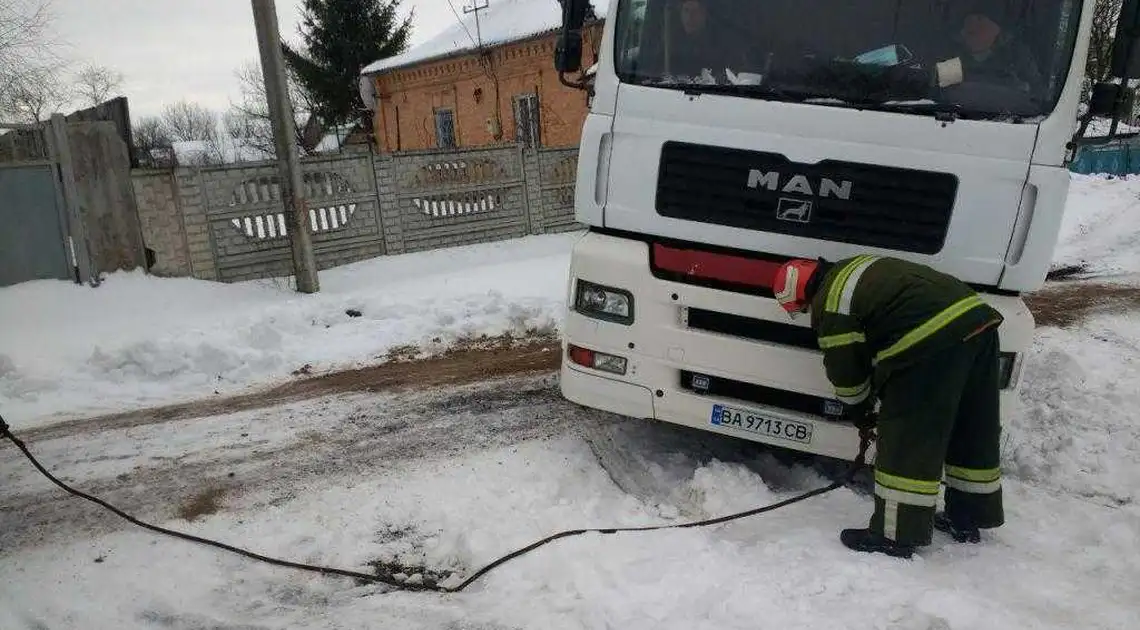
x,y
410,64
468,51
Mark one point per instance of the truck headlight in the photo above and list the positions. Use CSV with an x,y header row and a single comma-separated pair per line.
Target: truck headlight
x,y
593,300
1009,366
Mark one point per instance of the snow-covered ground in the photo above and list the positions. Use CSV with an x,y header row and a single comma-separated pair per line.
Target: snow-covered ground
x,y
452,479
1101,230
350,481
69,350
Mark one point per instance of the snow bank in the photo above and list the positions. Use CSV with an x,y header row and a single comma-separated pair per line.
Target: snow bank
x,y
140,340
501,22
1075,430
1101,227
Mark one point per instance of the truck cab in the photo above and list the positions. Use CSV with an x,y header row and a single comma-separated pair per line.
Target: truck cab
x,y
728,136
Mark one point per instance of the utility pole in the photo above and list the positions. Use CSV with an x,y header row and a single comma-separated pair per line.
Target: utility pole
x,y
284,134
476,8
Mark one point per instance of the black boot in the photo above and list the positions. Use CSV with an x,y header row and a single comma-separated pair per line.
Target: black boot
x,y
867,541
961,530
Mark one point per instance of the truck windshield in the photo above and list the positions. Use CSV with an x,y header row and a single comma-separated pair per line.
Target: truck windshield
x,y
978,59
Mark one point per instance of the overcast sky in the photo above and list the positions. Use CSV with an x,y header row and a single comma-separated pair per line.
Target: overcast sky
x,y
168,50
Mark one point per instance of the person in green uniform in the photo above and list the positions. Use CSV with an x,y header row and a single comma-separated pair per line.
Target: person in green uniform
x,y
924,346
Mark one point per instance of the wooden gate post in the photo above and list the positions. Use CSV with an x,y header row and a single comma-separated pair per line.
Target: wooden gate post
x,y
79,245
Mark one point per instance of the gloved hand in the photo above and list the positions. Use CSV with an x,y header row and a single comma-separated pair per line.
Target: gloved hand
x,y
862,415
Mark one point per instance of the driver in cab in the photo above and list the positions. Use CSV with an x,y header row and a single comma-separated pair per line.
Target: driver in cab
x,y
700,46
990,54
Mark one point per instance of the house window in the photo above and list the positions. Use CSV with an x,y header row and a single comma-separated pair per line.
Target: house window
x,y
445,129
526,119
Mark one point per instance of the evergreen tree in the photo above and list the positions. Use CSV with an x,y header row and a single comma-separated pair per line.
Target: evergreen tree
x,y
340,37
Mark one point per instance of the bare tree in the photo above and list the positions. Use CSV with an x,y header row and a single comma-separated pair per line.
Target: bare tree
x,y
1099,62
248,119
96,84
26,47
186,121
153,142
205,153
34,96
198,129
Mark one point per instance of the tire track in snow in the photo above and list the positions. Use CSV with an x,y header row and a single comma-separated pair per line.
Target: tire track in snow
x,y
467,363
323,439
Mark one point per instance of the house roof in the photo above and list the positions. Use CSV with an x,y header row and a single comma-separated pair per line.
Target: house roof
x,y
502,22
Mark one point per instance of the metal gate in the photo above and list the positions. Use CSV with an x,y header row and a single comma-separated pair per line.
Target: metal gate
x,y
33,237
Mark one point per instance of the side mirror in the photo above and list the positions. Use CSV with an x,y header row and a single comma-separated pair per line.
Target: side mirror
x,y
1126,47
1111,100
568,51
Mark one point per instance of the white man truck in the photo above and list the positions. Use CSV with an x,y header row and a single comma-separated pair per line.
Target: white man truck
x,y
725,137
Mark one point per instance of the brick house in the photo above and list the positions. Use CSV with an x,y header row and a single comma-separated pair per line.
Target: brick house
x,y
449,93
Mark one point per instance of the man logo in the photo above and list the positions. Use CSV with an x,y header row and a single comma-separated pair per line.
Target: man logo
x,y
794,210
800,185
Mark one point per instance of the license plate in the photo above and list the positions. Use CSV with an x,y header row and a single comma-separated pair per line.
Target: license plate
x,y
754,423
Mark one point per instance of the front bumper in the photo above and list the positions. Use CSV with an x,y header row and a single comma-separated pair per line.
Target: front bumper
x,y
660,345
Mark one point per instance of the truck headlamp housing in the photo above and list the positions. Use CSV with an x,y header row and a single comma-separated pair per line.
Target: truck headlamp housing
x,y
607,303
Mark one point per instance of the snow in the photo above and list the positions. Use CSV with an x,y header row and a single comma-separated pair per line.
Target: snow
x,y
136,340
332,142
1075,432
448,481
1099,127
503,21
1101,226
455,512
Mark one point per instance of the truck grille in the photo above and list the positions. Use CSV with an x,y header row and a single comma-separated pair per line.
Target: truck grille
x,y
860,204
751,328
768,396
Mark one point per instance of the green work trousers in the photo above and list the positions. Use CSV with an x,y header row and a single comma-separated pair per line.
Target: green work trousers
x,y
940,416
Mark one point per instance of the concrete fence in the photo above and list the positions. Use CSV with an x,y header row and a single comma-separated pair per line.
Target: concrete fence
x,y
227,223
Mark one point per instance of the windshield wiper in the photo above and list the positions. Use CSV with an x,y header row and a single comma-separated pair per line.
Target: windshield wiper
x,y
766,92
943,112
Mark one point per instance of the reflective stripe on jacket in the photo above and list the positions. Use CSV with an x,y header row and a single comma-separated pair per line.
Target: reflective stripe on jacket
x,y
875,312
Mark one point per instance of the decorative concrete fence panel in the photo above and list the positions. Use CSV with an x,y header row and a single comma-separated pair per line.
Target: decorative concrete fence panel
x,y
229,223
249,230
558,172
449,199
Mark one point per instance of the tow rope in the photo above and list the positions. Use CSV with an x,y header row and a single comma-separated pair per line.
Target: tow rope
x,y
866,436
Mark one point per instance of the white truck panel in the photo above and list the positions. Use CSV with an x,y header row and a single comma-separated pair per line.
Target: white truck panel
x,y
991,181
658,346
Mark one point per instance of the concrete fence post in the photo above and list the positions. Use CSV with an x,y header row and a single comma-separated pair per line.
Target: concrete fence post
x,y
199,242
391,215
532,176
